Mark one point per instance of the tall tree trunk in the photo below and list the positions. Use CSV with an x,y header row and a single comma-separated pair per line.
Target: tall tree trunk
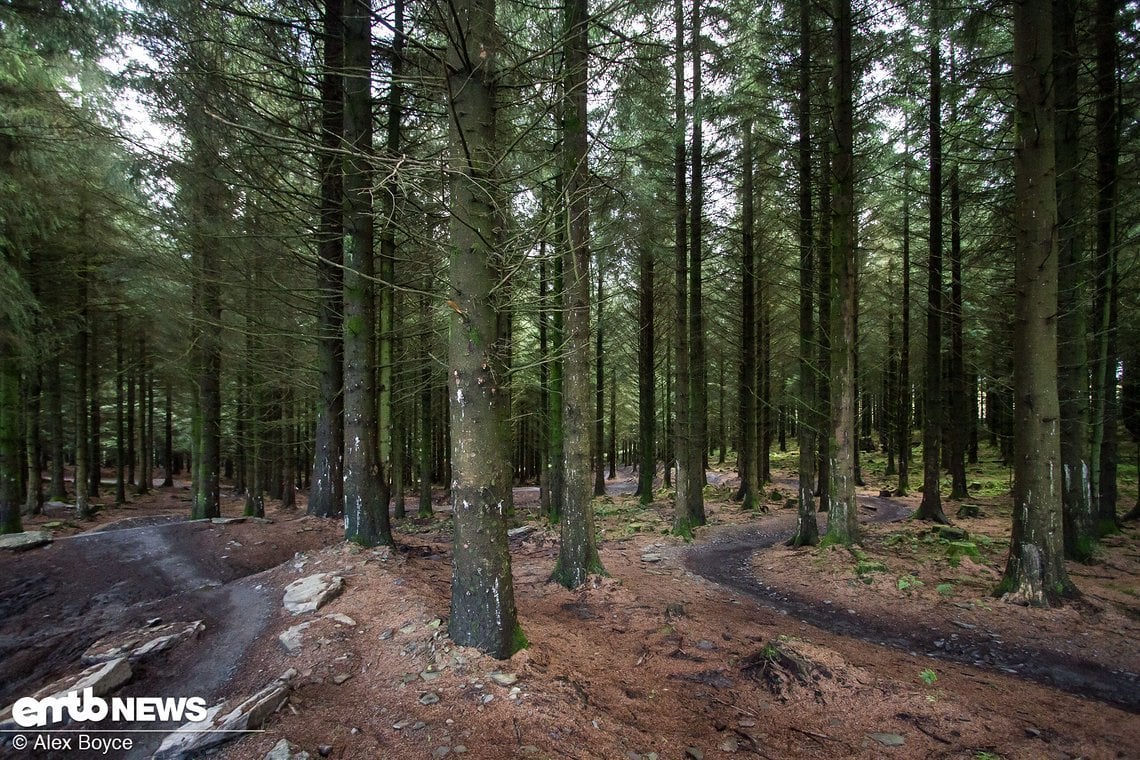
x,y
746,464
903,413
326,496
807,530
682,437
842,522
145,467
10,495
94,441
578,551
120,413
389,432
612,452
482,591
33,440
168,435
932,413
599,394
825,414
1103,475
958,418
1035,570
365,482
698,363
425,405
54,392
82,495
556,461
646,365
1080,531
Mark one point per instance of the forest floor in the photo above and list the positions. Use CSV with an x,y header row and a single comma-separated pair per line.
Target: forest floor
x,y
894,649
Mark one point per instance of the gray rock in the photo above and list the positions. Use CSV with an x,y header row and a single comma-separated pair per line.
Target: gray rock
x,y
430,675
888,740
695,753
341,618
283,750
340,678
441,752
313,592
102,678
651,557
290,639
429,699
140,643
520,531
227,520
504,679
29,539
218,727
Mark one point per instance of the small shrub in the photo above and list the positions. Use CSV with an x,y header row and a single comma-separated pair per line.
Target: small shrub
x,y
945,589
928,677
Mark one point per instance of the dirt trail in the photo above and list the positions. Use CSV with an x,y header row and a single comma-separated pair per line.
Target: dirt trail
x,y
114,579
727,559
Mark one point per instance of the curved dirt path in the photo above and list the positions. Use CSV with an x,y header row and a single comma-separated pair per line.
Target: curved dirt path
x,y
92,584
726,559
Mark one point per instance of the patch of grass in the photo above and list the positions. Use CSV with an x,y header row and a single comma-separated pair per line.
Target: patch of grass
x,y
945,589
908,582
928,677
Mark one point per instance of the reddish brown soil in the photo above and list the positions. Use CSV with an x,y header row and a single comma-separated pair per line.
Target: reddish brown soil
x,y
658,659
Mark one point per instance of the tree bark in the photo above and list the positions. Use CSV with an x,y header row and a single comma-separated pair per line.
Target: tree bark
x,y
698,361
365,482
1103,475
482,591
842,522
931,506
326,496
646,365
578,551
682,436
746,456
807,530
1080,531
1035,571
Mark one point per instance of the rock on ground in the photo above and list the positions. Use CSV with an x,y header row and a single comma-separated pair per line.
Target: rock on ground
x,y
141,642
101,679
312,593
29,539
196,737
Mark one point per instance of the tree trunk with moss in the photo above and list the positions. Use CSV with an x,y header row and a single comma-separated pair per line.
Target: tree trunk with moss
x,y
578,552
932,412
746,458
682,433
482,591
1035,570
807,530
646,377
10,495
1072,323
842,522
365,483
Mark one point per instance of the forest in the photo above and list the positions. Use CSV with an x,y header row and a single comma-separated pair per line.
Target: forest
x,y
528,287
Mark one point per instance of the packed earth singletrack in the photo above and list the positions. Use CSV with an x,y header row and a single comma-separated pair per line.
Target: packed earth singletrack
x,y
726,558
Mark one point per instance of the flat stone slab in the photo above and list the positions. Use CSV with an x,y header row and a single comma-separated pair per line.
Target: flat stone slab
x,y
29,539
290,639
283,750
101,678
312,593
218,727
227,520
142,642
